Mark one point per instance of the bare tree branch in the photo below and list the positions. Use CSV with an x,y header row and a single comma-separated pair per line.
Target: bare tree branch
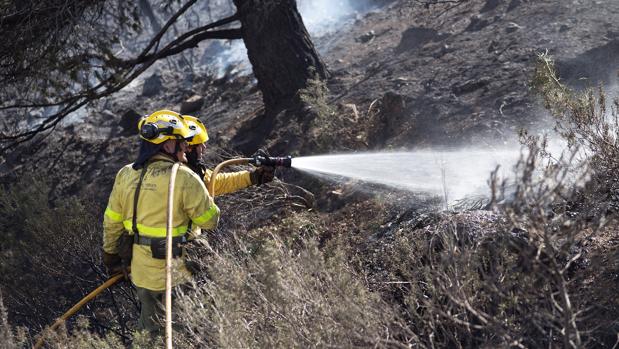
x,y
155,40
128,70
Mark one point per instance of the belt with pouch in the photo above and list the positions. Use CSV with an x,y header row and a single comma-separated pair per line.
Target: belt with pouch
x,y
146,241
158,245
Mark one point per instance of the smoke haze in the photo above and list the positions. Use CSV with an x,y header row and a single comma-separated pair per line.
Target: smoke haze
x,y
321,17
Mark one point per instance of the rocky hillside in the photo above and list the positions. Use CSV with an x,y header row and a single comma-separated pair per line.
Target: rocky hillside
x,y
404,75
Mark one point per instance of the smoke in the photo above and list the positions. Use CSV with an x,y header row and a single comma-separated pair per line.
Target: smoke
x,y
321,17
229,57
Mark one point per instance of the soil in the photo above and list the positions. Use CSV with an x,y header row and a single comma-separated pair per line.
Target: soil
x,y
403,76
438,75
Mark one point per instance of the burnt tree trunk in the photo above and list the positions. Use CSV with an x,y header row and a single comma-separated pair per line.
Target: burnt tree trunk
x,y
280,50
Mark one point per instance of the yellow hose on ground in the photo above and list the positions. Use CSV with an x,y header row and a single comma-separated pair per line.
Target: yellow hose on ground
x,y
117,277
111,281
168,260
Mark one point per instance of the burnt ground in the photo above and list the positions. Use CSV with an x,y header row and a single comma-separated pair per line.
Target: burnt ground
x,y
417,76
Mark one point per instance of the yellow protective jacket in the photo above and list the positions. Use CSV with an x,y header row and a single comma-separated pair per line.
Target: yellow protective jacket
x,y
226,183
191,203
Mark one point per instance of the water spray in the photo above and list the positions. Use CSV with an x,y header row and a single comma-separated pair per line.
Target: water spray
x,y
453,175
450,174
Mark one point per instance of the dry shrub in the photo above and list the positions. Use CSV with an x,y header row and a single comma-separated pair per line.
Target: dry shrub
x,y
589,122
508,278
50,259
81,336
11,339
268,293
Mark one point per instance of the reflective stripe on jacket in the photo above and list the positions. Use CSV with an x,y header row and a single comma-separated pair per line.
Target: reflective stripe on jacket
x,y
225,183
191,202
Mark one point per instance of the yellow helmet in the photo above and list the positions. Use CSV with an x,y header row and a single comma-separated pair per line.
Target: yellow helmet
x,y
162,125
199,133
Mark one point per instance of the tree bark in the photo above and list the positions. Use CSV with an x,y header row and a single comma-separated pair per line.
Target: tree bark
x,y
280,50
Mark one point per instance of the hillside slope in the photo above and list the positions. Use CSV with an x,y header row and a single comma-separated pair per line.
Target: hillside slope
x,y
396,271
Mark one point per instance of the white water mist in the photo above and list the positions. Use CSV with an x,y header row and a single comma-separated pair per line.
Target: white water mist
x,y
451,174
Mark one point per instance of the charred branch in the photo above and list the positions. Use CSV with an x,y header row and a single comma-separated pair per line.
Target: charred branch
x,y
125,71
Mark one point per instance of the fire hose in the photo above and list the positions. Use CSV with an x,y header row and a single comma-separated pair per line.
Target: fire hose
x,y
111,281
257,160
260,160
168,259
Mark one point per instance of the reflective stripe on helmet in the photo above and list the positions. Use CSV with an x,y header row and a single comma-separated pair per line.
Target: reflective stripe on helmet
x,y
155,232
163,125
197,129
208,215
113,215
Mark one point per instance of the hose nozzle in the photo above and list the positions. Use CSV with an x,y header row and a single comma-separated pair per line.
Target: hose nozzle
x,y
274,161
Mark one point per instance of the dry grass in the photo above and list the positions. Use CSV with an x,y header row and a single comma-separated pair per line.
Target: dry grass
x,y
374,274
50,258
269,294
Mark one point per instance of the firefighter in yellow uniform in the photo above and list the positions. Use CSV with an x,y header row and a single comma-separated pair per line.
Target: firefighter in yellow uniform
x,y
225,183
136,212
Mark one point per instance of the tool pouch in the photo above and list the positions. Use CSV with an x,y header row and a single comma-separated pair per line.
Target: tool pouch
x,y
158,248
125,248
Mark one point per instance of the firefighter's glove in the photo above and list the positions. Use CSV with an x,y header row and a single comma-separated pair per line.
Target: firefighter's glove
x,y
113,263
262,174
261,152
